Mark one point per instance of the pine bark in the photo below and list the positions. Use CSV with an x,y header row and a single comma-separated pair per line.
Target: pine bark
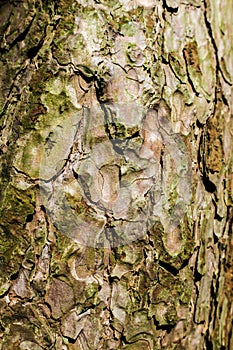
x,y
116,177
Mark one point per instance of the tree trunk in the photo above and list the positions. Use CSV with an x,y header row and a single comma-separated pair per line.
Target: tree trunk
x,y
116,175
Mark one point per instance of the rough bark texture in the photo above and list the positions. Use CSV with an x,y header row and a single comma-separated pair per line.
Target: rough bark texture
x,y
116,175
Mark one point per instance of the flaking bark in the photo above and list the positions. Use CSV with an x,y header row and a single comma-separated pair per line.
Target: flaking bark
x,y
116,175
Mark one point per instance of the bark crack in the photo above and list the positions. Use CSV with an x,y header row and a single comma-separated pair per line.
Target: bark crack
x,y
209,28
